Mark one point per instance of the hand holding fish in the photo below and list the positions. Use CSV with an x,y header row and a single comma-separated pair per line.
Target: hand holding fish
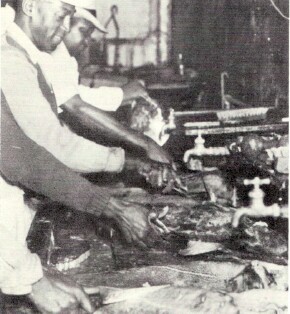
x,y
56,293
160,176
132,220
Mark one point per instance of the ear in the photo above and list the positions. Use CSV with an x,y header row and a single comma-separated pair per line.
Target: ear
x,y
27,6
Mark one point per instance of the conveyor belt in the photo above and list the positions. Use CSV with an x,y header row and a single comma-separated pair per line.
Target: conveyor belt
x,y
236,115
246,113
225,113
238,129
167,86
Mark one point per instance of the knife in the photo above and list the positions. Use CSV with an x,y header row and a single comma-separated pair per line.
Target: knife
x,y
112,295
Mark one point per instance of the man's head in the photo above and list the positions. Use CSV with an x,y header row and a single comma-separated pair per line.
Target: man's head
x,y
83,25
45,21
77,40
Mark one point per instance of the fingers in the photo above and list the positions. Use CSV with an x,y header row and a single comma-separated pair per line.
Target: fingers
x,y
126,234
174,167
161,176
75,296
141,244
85,302
165,174
160,181
132,238
154,238
132,221
158,176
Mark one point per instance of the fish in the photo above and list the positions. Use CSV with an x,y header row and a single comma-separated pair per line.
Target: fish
x,y
199,247
207,228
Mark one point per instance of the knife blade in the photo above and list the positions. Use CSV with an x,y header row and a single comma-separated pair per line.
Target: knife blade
x,y
112,295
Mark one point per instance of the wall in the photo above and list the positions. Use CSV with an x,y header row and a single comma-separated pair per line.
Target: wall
x,y
246,38
144,31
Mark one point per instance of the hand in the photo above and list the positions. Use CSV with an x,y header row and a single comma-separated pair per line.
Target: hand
x,y
56,293
133,90
132,219
157,153
162,176
156,174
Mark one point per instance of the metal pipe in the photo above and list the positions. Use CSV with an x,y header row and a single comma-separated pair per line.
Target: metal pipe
x,y
257,207
223,100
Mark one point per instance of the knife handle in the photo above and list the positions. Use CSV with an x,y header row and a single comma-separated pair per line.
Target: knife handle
x,y
92,290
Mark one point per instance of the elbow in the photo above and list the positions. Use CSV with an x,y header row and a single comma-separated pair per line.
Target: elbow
x,y
74,105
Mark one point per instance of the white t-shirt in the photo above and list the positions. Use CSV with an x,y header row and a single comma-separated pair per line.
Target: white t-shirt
x,y
65,83
19,268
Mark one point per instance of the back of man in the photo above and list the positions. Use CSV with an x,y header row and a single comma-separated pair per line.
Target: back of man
x,y
29,111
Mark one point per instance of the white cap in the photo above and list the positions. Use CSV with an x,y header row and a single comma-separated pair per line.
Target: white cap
x,y
7,14
86,4
84,14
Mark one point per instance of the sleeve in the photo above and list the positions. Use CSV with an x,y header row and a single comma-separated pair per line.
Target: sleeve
x,y
65,82
105,98
19,268
35,117
64,90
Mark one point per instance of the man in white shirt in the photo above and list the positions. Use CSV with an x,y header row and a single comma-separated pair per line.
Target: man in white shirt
x,y
84,24
74,151
66,83
21,272
33,111
74,97
30,113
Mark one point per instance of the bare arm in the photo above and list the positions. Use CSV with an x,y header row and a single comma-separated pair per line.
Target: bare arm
x,y
97,120
56,293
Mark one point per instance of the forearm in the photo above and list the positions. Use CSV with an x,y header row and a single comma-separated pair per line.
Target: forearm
x,y
18,267
37,120
97,120
19,281
45,175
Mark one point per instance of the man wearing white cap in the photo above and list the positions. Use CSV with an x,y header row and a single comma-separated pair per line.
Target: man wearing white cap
x,y
20,271
31,139
66,82
75,42
74,153
76,98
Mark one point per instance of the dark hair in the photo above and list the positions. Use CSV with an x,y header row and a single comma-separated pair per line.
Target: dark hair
x,y
74,20
12,3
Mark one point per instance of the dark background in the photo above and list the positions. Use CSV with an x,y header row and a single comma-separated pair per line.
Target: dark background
x,y
246,38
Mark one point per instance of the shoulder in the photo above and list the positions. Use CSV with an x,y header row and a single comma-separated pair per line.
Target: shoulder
x,y
13,56
8,50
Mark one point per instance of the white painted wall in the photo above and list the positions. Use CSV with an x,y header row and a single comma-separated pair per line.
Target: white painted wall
x,y
137,19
